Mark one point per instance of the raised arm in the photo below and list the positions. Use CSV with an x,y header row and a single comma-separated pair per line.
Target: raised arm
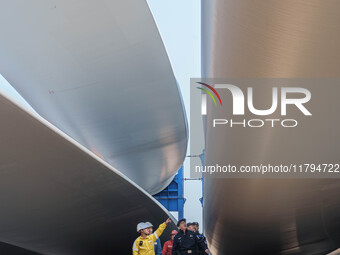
x,y
160,230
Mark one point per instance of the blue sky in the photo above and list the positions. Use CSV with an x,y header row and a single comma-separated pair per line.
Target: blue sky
x,y
9,90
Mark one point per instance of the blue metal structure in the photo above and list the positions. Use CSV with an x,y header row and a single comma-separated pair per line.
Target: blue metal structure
x,y
172,196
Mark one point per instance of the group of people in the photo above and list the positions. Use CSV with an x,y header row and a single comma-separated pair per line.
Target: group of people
x,y
187,240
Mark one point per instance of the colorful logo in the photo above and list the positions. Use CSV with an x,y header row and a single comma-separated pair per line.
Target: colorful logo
x,y
209,93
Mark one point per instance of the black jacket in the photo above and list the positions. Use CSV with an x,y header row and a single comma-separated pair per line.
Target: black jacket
x,y
187,241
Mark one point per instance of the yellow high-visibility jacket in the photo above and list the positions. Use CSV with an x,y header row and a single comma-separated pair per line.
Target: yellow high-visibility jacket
x,y
146,246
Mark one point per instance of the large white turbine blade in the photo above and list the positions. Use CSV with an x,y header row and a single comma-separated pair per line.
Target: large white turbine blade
x,y
273,39
57,197
98,70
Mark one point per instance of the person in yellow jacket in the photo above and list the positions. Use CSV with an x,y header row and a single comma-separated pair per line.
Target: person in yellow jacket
x,y
144,244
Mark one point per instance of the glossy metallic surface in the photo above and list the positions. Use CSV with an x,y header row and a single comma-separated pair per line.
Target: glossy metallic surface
x,y
56,197
15,250
270,39
99,72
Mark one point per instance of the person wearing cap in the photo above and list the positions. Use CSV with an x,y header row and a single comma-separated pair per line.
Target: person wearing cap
x,y
158,245
167,247
199,235
190,226
186,241
144,244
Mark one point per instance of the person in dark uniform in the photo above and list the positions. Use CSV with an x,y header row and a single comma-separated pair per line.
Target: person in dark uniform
x,y
191,226
186,241
200,236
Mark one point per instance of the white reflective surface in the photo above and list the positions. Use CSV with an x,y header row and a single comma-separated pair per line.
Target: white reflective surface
x,y
271,39
100,73
56,197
